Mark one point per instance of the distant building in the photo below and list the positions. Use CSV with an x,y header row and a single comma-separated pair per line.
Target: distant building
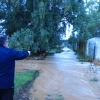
x,y
93,48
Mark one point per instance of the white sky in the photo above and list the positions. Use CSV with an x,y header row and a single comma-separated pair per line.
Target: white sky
x,y
68,32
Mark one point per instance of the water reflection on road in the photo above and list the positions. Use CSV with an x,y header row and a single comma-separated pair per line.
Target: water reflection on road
x,y
61,78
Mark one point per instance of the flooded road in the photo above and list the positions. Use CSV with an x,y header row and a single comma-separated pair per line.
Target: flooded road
x,y
62,77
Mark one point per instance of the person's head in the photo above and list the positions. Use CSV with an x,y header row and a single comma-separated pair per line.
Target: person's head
x,y
3,40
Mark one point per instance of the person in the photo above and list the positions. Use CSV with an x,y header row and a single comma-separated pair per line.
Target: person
x,y
7,67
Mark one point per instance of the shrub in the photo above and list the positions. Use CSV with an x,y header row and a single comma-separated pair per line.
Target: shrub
x,y
22,39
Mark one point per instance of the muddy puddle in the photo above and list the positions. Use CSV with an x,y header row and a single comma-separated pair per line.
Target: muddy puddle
x,y
62,77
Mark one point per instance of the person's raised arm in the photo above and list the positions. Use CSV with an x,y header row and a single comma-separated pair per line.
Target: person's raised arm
x,y
18,55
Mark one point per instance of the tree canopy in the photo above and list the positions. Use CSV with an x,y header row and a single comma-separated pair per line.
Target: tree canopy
x,y
86,23
46,21
38,18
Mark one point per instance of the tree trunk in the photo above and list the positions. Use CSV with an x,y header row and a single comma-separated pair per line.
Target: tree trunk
x,y
82,48
34,5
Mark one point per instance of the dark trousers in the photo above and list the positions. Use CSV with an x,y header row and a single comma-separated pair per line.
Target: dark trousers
x,y
6,94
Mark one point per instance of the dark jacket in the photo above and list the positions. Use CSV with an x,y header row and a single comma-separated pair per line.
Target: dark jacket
x,y
7,65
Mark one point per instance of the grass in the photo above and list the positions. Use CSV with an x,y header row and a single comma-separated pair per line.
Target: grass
x,y
82,58
53,51
21,78
94,79
54,97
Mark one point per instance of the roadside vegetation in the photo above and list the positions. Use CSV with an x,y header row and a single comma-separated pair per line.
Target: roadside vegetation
x,y
82,58
23,81
95,79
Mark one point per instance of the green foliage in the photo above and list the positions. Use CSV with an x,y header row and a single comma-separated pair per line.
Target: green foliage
x,y
45,26
82,58
53,51
2,14
95,79
94,22
42,10
29,5
16,16
41,18
23,39
83,23
22,78
34,25
44,45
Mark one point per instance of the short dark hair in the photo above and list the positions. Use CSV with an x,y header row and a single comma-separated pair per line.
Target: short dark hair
x,y
3,38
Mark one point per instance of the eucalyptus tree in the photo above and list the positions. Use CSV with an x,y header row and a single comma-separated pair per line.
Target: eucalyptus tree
x,y
85,21
46,19
78,17
94,18
16,17
46,16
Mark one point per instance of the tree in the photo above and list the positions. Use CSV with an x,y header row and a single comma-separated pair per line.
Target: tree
x,y
44,17
17,16
85,21
78,18
94,15
44,22
22,40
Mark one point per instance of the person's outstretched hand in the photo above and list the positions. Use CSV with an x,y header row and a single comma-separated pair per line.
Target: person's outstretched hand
x,y
29,53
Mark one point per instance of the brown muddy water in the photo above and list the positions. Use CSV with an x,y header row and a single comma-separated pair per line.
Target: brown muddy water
x,y
62,77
